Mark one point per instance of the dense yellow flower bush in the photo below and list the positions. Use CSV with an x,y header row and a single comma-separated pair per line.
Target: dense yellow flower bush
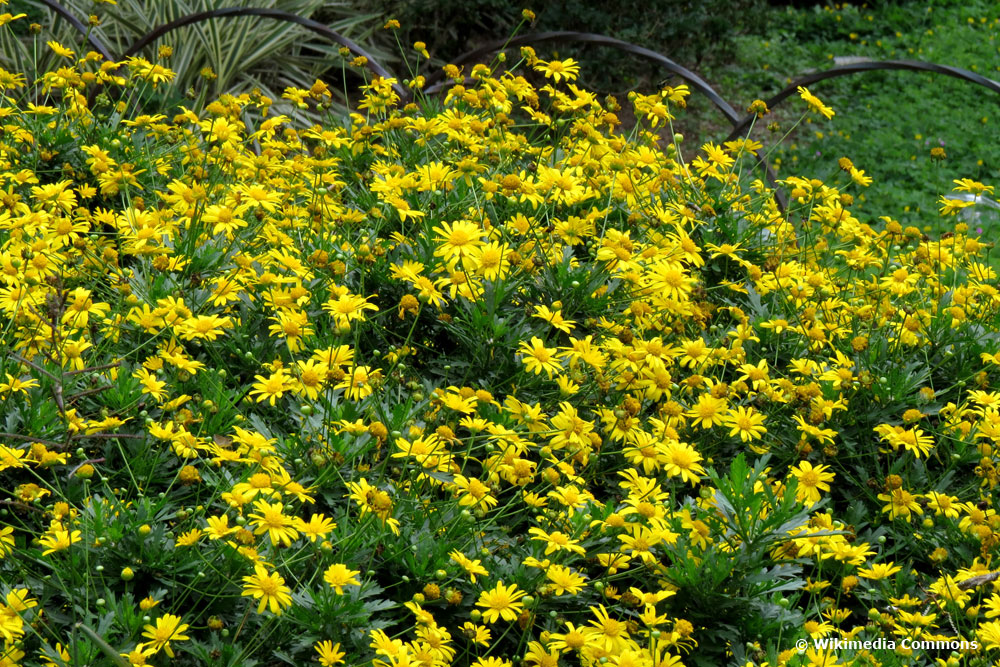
x,y
484,380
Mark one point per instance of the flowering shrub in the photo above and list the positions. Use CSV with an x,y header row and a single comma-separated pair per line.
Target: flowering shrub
x,y
480,381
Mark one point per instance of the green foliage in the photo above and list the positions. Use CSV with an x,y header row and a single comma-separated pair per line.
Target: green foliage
x,y
232,54
446,32
686,31
886,122
735,590
488,365
689,32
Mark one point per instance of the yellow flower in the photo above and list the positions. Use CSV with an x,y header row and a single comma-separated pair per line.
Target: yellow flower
x,y
811,480
269,587
138,655
14,384
953,206
708,411
682,460
11,625
477,634
190,538
501,602
554,318
472,567
357,383
6,541
7,17
147,71
218,527
270,519
745,422
564,580
58,540
339,575
901,503
168,628
60,50
943,504
537,358
329,653
913,440
458,241
61,655
317,527
272,387
293,325
204,327
609,633
223,219
72,353
989,633
559,69
880,571
557,541
491,661
473,493
815,103
572,640
347,308
858,176
969,185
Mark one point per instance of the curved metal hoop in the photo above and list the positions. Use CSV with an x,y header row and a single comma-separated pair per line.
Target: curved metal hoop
x,y
741,126
82,29
232,12
690,77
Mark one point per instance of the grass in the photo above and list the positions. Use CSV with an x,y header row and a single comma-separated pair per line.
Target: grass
x,y
886,122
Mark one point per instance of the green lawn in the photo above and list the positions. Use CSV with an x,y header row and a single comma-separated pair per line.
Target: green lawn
x,y
886,122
